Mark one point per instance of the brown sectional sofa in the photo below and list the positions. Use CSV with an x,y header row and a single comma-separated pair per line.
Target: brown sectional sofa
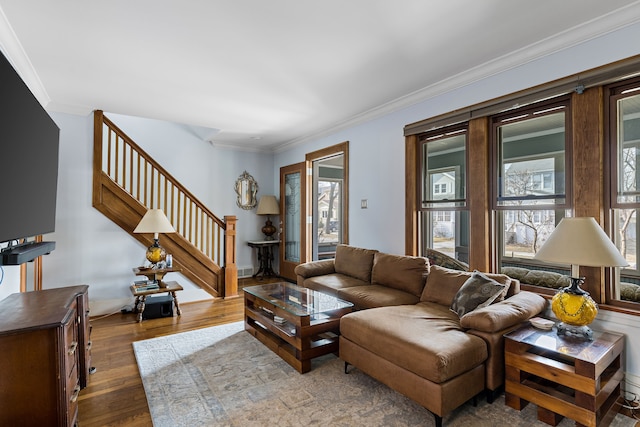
x,y
404,333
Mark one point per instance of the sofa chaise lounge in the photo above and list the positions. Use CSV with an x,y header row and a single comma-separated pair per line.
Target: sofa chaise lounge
x,y
405,332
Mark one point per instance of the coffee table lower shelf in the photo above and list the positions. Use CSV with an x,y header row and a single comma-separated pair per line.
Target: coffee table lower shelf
x,y
299,339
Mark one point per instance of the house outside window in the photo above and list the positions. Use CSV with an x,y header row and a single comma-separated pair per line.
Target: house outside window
x,y
443,215
531,180
624,143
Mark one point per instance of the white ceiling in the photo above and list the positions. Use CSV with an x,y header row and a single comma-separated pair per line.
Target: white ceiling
x,y
264,74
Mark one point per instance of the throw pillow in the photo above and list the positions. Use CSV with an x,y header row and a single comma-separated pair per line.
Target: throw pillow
x,y
478,291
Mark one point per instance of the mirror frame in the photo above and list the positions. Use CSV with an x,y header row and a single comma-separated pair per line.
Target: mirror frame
x,y
246,189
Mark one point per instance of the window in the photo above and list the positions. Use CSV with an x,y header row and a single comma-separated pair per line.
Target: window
x,y
444,219
531,179
441,188
624,132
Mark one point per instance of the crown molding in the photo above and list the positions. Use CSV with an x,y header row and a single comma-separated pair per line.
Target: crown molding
x,y
15,54
571,37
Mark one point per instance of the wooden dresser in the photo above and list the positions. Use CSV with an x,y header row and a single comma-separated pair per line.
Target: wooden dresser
x,y
45,356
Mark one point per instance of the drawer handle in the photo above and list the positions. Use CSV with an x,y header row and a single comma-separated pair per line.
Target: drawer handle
x,y
72,348
89,344
76,392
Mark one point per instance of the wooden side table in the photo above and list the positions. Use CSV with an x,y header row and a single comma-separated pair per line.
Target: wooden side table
x,y
265,256
141,296
564,376
156,274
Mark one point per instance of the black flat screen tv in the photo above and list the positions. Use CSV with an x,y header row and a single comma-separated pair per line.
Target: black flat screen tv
x,y
29,143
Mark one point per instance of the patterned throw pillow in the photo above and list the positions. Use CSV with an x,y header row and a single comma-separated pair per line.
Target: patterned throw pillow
x,y
477,291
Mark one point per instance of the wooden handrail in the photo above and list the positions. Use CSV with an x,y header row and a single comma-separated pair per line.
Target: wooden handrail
x,y
131,168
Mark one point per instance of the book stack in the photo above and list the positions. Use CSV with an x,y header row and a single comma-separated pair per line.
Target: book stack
x,y
145,285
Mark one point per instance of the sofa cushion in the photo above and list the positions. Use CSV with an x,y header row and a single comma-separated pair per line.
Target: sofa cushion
x,y
423,338
443,284
406,273
315,268
502,315
354,262
547,279
476,292
370,296
332,283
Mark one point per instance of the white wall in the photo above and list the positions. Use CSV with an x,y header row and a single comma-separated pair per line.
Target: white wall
x,y
9,280
376,152
92,250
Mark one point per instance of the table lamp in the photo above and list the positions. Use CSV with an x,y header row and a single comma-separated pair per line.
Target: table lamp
x,y
268,205
155,221
578,241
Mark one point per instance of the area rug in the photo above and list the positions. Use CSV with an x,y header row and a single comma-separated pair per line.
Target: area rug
x,y
223,376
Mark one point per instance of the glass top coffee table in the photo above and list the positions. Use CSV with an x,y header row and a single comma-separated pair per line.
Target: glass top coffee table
x,y
296,323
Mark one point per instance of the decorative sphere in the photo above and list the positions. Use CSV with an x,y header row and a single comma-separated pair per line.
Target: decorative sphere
x,y
576,310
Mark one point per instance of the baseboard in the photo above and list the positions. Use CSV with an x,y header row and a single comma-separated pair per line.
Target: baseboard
x,y
108,306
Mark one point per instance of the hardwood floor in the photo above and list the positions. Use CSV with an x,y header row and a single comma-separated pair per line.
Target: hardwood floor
x,y
114,395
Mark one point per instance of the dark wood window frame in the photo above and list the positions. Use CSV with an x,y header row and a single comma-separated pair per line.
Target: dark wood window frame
x,y
612,94
514,116
448,206
590,193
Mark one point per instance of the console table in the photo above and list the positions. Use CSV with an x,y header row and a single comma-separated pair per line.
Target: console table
x,y
265,256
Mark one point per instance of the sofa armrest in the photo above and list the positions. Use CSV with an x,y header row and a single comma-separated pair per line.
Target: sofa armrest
x,y
496,317
312,269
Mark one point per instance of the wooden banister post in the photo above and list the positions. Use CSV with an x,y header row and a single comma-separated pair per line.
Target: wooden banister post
x,y
230,267
98,119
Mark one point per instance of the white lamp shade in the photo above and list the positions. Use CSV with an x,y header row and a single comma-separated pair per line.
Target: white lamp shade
x,y
580,241
154,221
268,205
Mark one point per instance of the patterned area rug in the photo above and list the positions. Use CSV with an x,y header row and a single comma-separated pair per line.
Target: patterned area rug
x,y
223,376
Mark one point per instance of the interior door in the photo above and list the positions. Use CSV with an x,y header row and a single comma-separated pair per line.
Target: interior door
x,y
293,223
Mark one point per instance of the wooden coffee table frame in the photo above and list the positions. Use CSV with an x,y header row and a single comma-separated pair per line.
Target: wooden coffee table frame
x,y
298,340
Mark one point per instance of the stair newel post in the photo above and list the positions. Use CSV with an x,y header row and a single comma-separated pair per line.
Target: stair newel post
x,y
230,266
97,156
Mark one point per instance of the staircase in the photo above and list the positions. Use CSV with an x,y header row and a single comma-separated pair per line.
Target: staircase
x,y
127,182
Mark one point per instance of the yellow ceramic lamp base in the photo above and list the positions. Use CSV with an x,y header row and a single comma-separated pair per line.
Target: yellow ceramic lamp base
x,y
156,253
575,308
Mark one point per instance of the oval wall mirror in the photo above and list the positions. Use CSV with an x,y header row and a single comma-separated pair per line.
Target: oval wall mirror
x,y
246,189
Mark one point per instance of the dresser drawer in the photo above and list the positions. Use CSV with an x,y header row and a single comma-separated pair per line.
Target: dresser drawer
x,y
71,345
72,392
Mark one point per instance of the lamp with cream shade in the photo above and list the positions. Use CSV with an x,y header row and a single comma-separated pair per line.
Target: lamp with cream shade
x,y
578,241
156,222
268,206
